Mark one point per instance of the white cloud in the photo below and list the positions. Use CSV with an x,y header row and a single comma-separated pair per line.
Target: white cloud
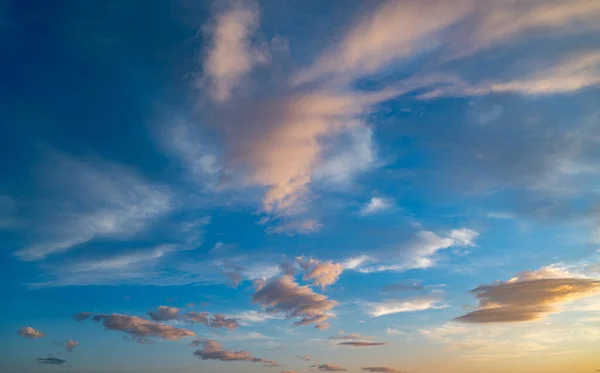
x,y
356,262
375,205
392,306
293,227
93,199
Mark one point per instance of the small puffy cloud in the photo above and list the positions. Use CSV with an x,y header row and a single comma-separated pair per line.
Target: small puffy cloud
x,y
50,360
284,295
362,344
529,297
375,205
304,357
321,273
164,313
71,344
29,332
231,52
213,350
328,368
380,370
222,321
294,227
392,306
140,329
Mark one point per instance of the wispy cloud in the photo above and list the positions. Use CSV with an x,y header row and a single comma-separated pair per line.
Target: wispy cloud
x,y
328,368
50,360
92,199
392,306
380,370
232,52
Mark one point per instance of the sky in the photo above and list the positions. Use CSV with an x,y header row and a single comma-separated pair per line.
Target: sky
x,y
400,186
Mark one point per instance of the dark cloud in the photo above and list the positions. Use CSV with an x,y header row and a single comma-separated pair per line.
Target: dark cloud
x,y
164,313
328,368
284,295
141,329
29,332
213,350
82,316
362,344
50,360
527,298
380,370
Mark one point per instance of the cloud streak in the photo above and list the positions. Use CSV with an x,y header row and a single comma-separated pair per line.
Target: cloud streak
x,y
213,350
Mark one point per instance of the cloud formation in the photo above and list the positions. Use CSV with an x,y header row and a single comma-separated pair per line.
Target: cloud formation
x,y
71,344
166,313
213,350
232,54
380,370
294,227
140,329
50,360
529,297
284,295
321,273
328,368
375,205
29,332
414,304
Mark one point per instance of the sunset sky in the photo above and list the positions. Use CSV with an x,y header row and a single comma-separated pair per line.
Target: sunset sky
x,y
296,186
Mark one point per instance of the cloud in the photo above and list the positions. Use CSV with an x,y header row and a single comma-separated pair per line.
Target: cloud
x,y
356,262
392,306
91,200
281,142
321,273
29,332
393,31
284,295
394,331
140,329
324,326
71,344
421,251
362,344
375,205
232,54
571,74
296,227
213,350
50,360
254,316
404,286
304,357
380,370
530,297
82,316
329,368
164,313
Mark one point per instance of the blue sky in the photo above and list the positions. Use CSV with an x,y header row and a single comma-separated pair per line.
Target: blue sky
x,y
362,186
